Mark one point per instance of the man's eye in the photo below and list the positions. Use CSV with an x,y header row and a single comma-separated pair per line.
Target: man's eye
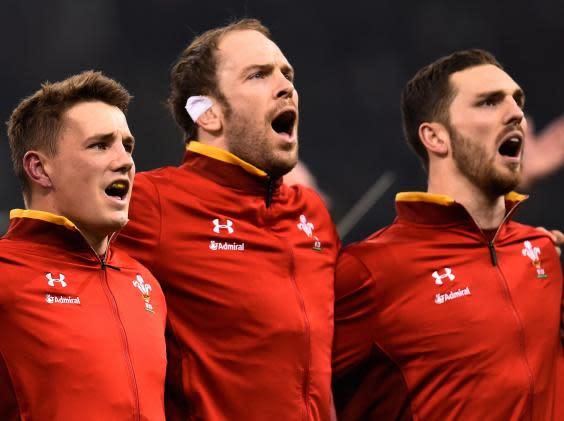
x,y
99,145
488,103
257,75
289,76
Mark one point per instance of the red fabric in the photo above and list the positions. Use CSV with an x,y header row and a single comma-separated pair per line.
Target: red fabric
x,y
250,330
101,359
491,354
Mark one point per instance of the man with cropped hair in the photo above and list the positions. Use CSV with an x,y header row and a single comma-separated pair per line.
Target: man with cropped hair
x,y
82,323
453,311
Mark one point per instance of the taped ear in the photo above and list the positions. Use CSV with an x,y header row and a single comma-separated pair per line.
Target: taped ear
x,y
34,165
204,111
435,137
211,120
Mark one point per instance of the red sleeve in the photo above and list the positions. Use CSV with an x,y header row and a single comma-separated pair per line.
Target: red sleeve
x,y
354,299
140,238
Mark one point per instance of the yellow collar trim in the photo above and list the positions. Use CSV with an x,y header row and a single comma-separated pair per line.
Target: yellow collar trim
x,y
223,155
515,197
441,199
43,216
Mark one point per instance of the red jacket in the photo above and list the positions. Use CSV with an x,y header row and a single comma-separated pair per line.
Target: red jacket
x,y
247,267
437,320
78,338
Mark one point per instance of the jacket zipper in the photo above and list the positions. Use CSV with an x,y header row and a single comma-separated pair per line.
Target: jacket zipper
x,y
307,334
493,257
269,191
123,335
300,298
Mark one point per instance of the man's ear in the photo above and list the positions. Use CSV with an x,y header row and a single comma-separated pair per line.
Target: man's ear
x,y
435,137
212,119
35,165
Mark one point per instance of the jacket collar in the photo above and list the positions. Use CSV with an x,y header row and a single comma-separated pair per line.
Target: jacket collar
x,y
435,209
228,169
49,229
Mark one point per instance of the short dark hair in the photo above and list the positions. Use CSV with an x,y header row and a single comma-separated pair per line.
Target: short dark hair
x,y
36,121
195,71
428,95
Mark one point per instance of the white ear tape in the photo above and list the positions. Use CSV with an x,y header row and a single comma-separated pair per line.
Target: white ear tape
x,y
197,105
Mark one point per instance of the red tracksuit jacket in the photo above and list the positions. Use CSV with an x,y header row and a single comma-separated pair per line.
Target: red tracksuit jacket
x,y
247,267
79,340
437,320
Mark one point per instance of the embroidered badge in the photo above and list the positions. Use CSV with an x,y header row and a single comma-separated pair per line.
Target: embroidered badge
x,y
145,289
307,227
533,253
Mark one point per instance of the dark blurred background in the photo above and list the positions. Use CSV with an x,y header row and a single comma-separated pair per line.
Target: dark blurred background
x,y
352,60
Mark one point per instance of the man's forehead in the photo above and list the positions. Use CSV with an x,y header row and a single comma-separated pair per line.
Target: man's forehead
x,y
93,115
241,48
482,78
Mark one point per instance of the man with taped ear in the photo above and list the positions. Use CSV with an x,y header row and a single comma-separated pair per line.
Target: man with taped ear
x,y
245,261
82,323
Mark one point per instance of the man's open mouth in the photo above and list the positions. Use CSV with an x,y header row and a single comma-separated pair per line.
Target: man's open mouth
x,y
284,122
511,147
118,189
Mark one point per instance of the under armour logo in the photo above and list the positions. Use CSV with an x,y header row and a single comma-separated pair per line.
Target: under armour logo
x,y
51,281
305,226
439,278
227,226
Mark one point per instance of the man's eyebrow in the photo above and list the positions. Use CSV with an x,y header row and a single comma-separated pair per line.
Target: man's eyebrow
x,y
266,66
105,137
499,93
102,136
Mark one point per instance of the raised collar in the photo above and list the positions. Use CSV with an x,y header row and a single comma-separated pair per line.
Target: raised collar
x,y
229,170
436,209
45,228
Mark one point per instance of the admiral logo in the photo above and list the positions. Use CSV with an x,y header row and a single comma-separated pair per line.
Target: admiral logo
x,y
215,246
61,299
453,295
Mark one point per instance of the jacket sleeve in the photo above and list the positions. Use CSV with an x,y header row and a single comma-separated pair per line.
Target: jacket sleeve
x,y
354,300
141,237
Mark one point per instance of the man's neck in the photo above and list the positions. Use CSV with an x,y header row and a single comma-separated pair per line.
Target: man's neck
x,y
488,212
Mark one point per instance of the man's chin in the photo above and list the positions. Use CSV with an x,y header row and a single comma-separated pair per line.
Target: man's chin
x,y
502,185
283,167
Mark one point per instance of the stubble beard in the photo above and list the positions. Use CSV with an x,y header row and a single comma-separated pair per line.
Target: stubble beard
x,y
472,161
251,144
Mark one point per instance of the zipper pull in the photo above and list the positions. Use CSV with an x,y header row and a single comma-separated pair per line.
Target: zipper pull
x,y
269,189
104,265
493,254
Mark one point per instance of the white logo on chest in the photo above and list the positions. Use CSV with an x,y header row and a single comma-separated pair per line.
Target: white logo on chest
x,y
51,281
217,227
446,275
